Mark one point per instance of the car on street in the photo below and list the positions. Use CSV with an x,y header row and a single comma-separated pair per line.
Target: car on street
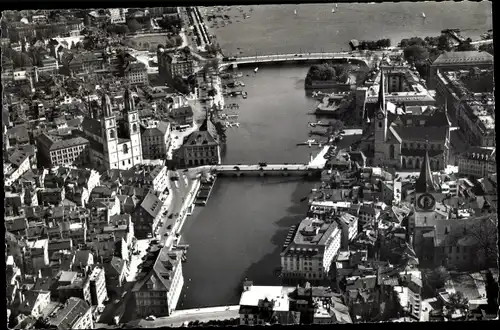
x,y
166,234
171,216
262,164
169,227
150,318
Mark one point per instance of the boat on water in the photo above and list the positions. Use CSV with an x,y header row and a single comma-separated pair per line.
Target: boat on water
x,y
256,69
237,124
333,10
336,5
295,12
242,84
423,15
244,95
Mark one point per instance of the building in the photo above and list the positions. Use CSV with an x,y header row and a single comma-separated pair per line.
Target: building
x,y
398,138
98,291
260,304
476,118
114,145
73,284
117,15
200,147
146,217
49,65
56,150
17,164
180,111
136,73
458,61
33,302
478,162
349,225
83,62
75,314
159,284
156,140
174,64
36,255
309,254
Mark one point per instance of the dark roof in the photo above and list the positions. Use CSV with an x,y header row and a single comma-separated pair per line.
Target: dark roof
x,y
425,181
420,152
73,309
92,125
421,133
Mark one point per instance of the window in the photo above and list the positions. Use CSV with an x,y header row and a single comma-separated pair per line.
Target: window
x,y
134,128
111,134
123,162
125,149
379,124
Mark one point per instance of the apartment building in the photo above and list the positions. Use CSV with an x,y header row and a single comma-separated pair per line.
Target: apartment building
x,y
309,254
98,291
160,283
15,166
74,314
476,118
174,64
147,216
156,140
36,255
478,162
55,150
136,73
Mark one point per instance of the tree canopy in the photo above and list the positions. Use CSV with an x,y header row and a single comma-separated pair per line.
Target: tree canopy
x,y
133,25
180,85
374,44
327,71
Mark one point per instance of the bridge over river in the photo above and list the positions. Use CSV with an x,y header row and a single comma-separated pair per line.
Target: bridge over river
x,y
280,58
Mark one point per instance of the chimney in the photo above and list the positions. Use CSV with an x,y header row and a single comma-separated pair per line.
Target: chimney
x,y
39,273
20,295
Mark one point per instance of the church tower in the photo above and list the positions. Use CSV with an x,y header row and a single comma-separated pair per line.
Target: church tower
x,y
132,127
109,134
380,123
425,188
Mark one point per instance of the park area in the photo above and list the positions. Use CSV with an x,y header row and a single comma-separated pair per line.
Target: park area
x,y
150,42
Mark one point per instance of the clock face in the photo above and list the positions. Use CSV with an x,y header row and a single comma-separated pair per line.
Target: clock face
x,y
380,115
426,202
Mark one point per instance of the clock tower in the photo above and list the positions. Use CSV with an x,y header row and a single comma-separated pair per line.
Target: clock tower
x,y
380,124
425,188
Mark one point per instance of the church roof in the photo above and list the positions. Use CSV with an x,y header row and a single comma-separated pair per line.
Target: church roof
x,y
425,181
92,126
381,93
463,57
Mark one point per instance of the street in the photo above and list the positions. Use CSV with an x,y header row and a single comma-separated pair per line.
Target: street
x,y
178,320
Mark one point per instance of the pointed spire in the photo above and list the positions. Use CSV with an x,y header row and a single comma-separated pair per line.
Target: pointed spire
x,y
425,182
381,92
129,100
106,105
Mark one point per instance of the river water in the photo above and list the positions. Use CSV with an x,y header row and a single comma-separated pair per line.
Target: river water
x,y
240,232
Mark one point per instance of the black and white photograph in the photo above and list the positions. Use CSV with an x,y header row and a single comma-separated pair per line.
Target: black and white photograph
x,y
249,164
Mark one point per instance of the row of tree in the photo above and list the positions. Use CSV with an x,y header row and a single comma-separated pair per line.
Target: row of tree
x,y
374,44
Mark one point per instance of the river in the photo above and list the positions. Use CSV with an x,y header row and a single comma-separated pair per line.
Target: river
x,y
240,232
274,29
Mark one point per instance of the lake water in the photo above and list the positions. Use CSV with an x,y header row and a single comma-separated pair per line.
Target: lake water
x,y
275,29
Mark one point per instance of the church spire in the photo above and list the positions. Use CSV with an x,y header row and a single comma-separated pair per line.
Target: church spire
x,y
381,92
425,182
129,101
106,105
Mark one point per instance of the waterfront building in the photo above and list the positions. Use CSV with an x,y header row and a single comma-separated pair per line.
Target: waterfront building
x,y
454,61
159,284
398,135
309,255
478,162
114,145
156,140
172,64
265,304
200,147
180,111
62,150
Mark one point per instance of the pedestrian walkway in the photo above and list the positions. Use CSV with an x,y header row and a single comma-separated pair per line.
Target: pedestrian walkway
x,y
204,310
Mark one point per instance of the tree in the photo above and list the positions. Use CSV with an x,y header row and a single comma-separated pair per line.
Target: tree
x,y
456,302
465,46
180,85
134,26
437,278
484,232
443,43
415,53
486,48
492,292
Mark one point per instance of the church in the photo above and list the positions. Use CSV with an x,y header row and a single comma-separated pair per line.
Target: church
x,y
398,134
114,144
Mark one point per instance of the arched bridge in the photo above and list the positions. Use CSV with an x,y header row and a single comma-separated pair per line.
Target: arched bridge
x,y
294,57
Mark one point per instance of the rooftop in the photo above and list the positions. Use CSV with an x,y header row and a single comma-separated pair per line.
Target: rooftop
x,y
467,57
277,294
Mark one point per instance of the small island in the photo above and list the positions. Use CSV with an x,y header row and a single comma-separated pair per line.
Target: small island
x,y
327,75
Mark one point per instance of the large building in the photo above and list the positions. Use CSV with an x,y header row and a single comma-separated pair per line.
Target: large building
x,y
399,134
476,118
62,150
156,140
478,162
309,254
174,64
200,147
459,61
115,145
159,285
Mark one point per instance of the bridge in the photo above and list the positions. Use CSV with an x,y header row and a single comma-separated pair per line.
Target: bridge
x,y
267,170
279,58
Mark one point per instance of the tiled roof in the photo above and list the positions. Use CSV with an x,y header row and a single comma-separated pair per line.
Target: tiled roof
x,y
55,142
420,152
480,153
421,133
70,313
463,58
92,125
160,275
200,138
